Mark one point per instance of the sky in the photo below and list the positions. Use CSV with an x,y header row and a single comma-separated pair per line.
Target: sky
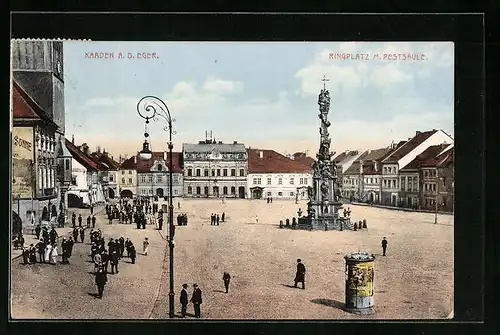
x,y
262,94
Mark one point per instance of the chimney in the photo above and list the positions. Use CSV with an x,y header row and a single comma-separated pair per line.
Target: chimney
x,y
73,139
261,154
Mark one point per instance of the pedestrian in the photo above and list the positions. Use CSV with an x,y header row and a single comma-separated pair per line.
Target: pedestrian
x,y
70,246
80,220
20,240
45,235
91,210
110,218
32,254
226,278
113,258
53,254
184,300
384,246
93,221
38,230
256,219
179,205
196,300
40,246
121,243
212,219
217,218
301,273
73,220
48,250
105,260
133,253
75,234
89,220
25,256
82,234
53,235
64,248
145,245
223,217
127,244
97,259
100,280
160,223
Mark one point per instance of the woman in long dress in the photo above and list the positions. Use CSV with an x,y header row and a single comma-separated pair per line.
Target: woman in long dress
x,y
48,250
145,245
54,254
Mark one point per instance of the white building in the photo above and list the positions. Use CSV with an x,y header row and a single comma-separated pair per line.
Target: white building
x,y
153,177
215,169
126,178
271,174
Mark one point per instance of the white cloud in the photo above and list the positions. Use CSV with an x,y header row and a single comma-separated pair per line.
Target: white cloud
x,y
389,74
219,86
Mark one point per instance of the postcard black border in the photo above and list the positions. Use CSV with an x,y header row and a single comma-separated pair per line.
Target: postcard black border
x,y
467,32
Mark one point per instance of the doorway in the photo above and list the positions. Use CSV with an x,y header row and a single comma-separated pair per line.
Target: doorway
x,y
256,193
241,192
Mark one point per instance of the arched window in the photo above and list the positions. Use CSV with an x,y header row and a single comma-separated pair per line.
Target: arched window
x,y
159,167
198,190
233,190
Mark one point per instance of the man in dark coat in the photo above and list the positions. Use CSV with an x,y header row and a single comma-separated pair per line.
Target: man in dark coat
x,y
128,244
212,219
184,300
80,220
53,235
121,242
223,216
32,254
384,246
196,300
38,230
133,253
301,274
45,236
217,218
160,223
40,246
100,280
113,258
93,221
73,220
75,234
82,234
65,251
226,278
105,260
70,246
89,220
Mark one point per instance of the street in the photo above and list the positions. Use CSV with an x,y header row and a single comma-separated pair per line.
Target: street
x,y
414,280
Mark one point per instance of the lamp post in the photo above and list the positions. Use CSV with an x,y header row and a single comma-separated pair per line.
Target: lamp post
x,y
151,107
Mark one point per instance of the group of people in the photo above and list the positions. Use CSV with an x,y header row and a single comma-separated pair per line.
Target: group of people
x,y
182,220
79,231
91,220
48,251
287,223
215,219
269,200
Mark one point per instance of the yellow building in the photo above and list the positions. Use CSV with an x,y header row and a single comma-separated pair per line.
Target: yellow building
x,y
126,178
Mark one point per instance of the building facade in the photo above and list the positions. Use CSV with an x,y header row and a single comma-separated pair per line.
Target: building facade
x,y
273,175
446,175
34,165
108,168
402,156
215,169
127,178
153,175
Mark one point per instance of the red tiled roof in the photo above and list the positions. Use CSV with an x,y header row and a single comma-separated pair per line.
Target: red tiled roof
x,y
273,162
407,147
24,107
446,158
143,166
128,164
301,158
373,155
81,157
426,158
108,161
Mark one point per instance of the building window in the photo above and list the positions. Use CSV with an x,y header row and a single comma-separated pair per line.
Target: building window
x,y
233,190
301,181
394,183
280,194
434,187
175,192
403,182
159,179
306,181
190,172
205,173
242,172
143,179
73,180
291,181
233,172
268,180
224,190
67,164
426,174
123,181
110,177
123,172
254,181
198,190
280,181
130,180
426,187
206,190
150,191
129,171
224,172
218,172
213,173
159,167
291,194
150,178
385,182
190,190
198,173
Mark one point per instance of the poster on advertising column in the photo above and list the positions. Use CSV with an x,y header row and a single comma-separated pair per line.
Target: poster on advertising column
x,y
22,160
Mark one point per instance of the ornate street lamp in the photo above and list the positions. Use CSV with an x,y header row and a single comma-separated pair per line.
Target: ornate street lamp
x,y
151,107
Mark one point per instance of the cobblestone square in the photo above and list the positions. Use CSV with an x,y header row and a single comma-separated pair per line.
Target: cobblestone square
x,y
414,280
